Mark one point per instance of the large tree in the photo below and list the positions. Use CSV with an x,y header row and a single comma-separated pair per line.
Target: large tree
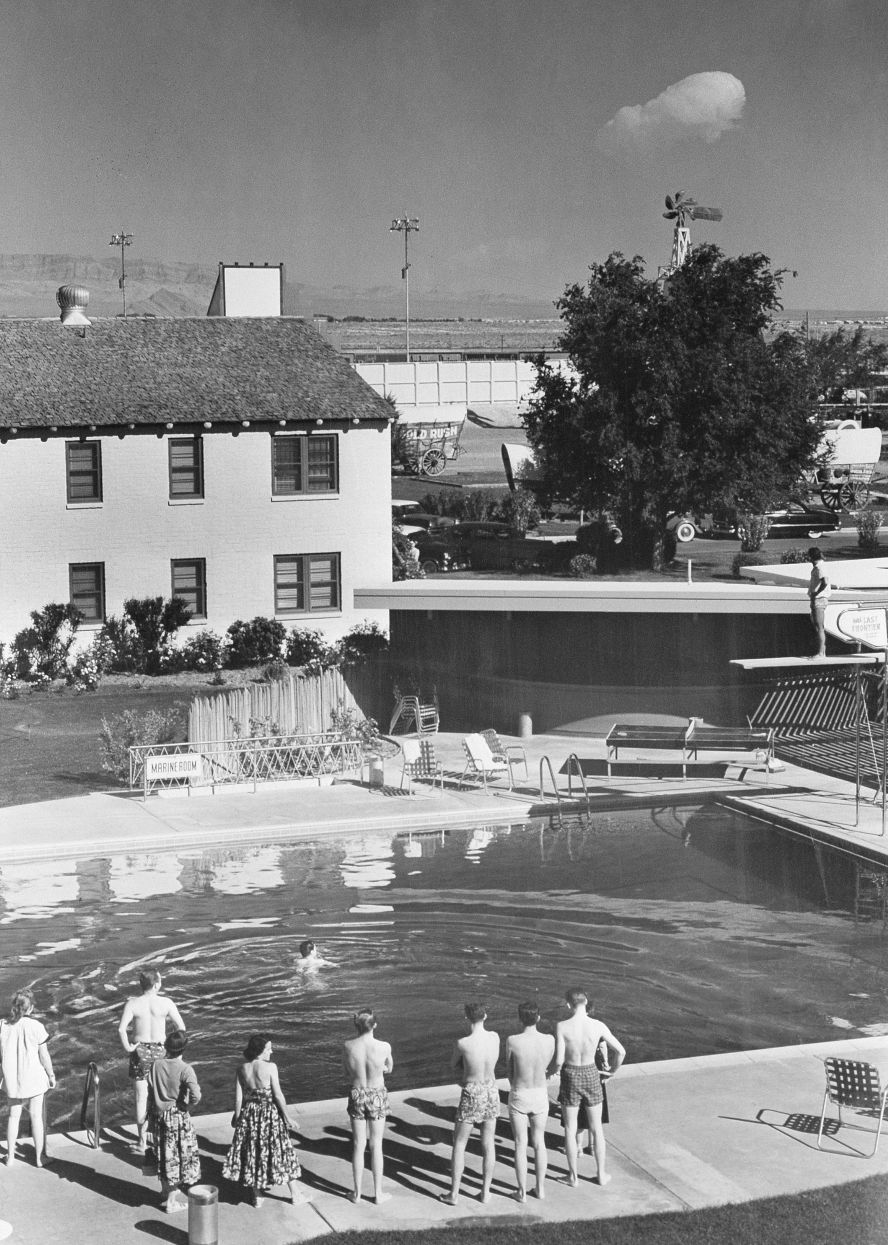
x,y
846,361
675,400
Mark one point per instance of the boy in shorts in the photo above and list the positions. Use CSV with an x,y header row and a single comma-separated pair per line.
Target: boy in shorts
x,y
576,1043
474,1060
366,1061
149,1014
529,1056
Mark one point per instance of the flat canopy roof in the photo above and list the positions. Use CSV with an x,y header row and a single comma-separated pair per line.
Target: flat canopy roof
x,y
769,663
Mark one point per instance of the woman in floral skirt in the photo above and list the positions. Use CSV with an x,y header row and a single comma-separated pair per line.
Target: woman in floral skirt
x,y
173,1092
261,1154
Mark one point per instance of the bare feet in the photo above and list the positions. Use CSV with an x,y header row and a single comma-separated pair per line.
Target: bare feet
x,y
539,1193
520,1196
603,1178
449,1199
382,1197
354,1196
571,1179
485,1197
173,1205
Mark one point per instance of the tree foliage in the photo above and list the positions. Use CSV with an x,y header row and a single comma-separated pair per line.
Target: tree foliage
x,y
675,400
844,361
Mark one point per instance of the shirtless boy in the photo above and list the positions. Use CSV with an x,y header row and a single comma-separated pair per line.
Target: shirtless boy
x,y
366,1061
576,1041
474,1061
148,1014
528,1056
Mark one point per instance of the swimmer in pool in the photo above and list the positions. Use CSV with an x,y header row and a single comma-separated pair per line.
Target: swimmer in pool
x,y
529,1055
474,1060
576,1042
366,1061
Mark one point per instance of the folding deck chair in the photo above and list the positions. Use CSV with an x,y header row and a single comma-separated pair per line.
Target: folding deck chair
x,y
419,761
513,753
853,1084
480,761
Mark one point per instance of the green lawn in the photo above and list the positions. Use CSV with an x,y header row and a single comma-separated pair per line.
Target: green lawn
x,y
49,741
849,1214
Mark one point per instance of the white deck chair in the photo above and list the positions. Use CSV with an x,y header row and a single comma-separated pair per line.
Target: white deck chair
x,y
419,761
480,761
853,1084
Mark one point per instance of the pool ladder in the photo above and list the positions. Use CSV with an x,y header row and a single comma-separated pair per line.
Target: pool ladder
x,y
573,763
91,1089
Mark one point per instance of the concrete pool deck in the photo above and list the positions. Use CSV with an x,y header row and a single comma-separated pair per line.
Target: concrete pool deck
x,y
809,803
684,1134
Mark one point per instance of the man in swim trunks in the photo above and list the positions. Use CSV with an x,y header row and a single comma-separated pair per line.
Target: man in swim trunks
x,y
474,1060
528,1056
149,1014
576,1042
366,1061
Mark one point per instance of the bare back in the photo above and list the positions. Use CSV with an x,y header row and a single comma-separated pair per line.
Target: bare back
x,y
529,1055
366,1061
578,1038
258,1074
148,1014
475,1056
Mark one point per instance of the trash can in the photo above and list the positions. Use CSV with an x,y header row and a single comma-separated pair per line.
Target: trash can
x,y
375,772
525,726
203,1215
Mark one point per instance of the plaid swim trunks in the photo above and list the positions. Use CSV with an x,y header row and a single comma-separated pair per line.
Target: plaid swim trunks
x,y
580,1083
143,1058
368,1104
479,1101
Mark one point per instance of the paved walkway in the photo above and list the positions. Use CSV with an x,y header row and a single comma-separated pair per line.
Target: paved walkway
x,y
684,1134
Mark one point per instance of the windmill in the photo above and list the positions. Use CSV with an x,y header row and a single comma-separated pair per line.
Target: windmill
x,y
681,208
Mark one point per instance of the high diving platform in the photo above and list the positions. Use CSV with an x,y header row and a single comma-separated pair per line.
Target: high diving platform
x,y
805,663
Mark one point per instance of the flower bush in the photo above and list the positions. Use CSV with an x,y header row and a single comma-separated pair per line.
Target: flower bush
x,y
125,730
252,643
868,524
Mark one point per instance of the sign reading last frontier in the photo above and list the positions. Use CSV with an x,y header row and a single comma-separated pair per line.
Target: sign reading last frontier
x,y
182,765
864,627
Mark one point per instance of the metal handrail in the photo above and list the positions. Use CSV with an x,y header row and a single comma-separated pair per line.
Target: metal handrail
x,y
573,757
546,761
92,1084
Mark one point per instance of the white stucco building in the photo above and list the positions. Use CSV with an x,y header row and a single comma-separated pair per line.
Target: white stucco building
x,y
239,463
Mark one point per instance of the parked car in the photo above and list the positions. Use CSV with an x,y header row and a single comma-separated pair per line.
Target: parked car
x,y
796,520
482,547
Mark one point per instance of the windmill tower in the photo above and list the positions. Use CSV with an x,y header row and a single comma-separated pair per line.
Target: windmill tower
x,y
681,208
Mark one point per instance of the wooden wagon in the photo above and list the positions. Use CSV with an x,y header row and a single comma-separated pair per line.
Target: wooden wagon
x,y
430,436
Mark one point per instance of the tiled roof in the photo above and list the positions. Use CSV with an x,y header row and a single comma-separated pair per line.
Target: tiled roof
x,y
145,371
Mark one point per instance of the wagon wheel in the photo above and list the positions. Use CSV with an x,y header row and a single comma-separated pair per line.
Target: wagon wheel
x,y
831,499
432,462
853,494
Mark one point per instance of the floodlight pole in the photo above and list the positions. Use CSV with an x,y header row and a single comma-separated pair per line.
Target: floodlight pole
x,y
406,225
122,239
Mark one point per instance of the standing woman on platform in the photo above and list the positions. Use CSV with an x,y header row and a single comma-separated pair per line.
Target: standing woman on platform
x,y
261,1155
27,1072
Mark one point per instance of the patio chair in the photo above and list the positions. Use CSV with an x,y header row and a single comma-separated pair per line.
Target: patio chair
x,y
480,761
419,761
856,1085
513,753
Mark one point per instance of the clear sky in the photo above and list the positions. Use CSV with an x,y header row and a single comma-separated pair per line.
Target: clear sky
x,y
530,137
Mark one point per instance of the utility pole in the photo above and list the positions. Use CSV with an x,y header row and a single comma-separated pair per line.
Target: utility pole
x,y
406,225
122,239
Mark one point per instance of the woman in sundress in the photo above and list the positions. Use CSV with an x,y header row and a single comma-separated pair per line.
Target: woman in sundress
x,y
27,1072
261,1154
173,1092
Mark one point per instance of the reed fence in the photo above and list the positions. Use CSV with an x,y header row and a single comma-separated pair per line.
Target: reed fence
x,y
296,703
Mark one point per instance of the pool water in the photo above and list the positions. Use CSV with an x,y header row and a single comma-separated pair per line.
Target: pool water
x,y
695,931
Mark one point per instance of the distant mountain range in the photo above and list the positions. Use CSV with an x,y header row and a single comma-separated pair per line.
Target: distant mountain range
x,y
28,285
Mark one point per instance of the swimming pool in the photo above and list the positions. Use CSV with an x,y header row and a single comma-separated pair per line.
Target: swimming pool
x,y
696,930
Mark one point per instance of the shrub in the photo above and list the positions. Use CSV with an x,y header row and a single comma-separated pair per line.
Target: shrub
x,y
121,645
276,669
747,559
349,724
868,524
793,556
125,730
202,651
307,647
521,510
752,530
155,622
581,566
361,642
84,673
254,642
42,649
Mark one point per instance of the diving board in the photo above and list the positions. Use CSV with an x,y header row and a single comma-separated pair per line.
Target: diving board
x,y
771,663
